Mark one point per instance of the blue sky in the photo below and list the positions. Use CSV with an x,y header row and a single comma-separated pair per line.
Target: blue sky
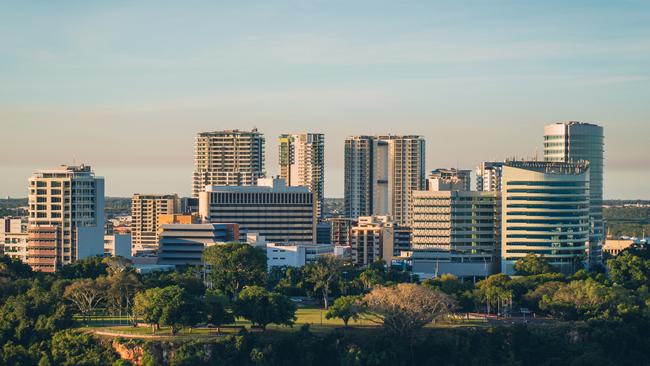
x,y
125,86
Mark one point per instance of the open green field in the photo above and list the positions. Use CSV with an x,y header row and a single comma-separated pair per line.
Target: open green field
x,y
314,317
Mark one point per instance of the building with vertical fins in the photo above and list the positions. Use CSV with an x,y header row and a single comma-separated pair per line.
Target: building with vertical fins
x,y
573,142
545,211
66,216
381,172
227,158
302,163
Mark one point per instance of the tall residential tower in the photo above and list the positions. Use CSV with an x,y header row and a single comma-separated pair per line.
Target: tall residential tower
x,y
302,163
227,158
66,207
145,220
572,142
381,172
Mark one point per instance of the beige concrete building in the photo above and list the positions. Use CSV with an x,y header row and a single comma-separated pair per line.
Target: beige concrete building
x,y
43,248
456,232
488,176
13,238
449,180
71,199
227,158
614,247
545,211
381,172
146,210
302,163
281,214
376,237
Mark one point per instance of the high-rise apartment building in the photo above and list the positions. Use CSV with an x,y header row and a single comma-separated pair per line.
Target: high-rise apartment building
x,y
456,232
146,210
381,172
70,199
449,180
545,211
488,176
572,142
227,158
279,213
302,163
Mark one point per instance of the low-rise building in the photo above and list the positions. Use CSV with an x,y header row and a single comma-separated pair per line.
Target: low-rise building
x,y
183,244
279,255
614,247
117,245
13,238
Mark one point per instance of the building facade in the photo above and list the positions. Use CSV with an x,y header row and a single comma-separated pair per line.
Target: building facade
x,y
488,176
449,180
227,158
43,248
183,244
376,238
295,255
281,214
577,141
456,232
302,163
71,199
381,172
146,210
340,230
117,245
545,211
13,238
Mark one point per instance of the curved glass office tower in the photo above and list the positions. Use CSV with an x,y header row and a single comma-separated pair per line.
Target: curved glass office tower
x,y
545,211
572,142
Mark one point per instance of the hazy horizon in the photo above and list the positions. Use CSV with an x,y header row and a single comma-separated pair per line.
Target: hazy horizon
x,y
125,86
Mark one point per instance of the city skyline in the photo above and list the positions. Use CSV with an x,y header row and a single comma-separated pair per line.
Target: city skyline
x,y
89,83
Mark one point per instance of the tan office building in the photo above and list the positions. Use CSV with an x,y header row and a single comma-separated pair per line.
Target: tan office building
x,y
146,210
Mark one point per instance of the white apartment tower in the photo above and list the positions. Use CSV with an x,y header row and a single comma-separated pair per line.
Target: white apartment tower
x,y
227,158
302,163
488,176
573,142
381,172
145,214
70,199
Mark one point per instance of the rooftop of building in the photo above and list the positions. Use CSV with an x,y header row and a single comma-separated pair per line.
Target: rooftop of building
x,y
264,185
550,167
254,131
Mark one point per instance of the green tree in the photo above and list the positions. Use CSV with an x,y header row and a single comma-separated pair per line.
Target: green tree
x,y
216,310
168,306
533,264
234,266
345,308
87,295
629,270
262,307
494,291
73,348
120,292
91,267
322,274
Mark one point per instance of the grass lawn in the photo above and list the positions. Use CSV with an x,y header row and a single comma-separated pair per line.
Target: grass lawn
x,y
315,317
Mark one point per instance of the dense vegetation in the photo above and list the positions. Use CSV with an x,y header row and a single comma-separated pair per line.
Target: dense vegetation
x,y
630,221
590,317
